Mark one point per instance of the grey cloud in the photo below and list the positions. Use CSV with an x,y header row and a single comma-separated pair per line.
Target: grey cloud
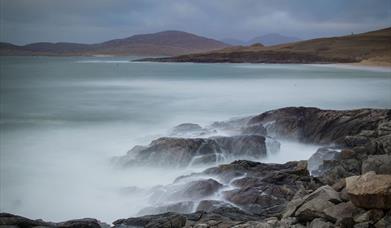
x,y
24,21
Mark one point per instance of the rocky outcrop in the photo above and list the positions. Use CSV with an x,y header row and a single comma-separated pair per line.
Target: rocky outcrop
x,y
370,190
313,125
258,189
10,220
171,220
350,185
182,152
380,164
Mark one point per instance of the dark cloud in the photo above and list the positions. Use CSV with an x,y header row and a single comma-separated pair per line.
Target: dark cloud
x,y
24,21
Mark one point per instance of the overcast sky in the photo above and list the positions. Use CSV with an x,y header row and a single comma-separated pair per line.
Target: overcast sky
x,y
89,21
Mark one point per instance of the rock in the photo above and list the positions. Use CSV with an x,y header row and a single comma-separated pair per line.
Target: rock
x,y
363,225
256,129
181,207
315,162
340,211
199,189
211,205
182,152
385,222
384,128
243,146
380,164
80,223
312,209
312,125
339,185
185,191
320,223
372,215
343,194
169,220
10,220
357,140
313,205
232,126
370,190
186,128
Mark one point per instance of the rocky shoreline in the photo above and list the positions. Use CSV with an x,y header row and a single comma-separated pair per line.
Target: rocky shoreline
x,y
346,183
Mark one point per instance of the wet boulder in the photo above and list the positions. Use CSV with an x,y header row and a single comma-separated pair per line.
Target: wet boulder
x,y
180,207
315,162
182,152
175,152
211,205
243,146
190,130
255,129
185,191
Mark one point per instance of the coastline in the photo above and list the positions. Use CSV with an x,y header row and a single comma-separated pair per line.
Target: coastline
x,y
357,66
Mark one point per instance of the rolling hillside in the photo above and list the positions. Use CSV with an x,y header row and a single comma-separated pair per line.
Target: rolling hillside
x,y
371,46
167,43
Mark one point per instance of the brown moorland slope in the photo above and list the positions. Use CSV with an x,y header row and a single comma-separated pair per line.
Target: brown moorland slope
x,y
370,46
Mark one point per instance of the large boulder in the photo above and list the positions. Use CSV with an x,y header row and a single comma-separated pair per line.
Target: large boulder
x,y
312,205
370,190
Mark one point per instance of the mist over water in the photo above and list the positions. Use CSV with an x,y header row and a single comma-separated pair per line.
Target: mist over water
x,y
63,119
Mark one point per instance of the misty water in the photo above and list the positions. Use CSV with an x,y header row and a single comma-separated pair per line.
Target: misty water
x,y
63,119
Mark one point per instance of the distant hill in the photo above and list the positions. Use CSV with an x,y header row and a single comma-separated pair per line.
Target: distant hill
x,y
372,46
267,40
166,43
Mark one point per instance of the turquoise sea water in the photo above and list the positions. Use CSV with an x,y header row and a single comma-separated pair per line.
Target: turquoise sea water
x,y
61,119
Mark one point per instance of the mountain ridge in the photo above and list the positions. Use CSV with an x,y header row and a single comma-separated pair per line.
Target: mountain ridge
x,y
164,43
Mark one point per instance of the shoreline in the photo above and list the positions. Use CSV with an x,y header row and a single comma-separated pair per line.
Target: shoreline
x,y
356,66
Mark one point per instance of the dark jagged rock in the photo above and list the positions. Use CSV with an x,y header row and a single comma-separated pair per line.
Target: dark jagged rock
x,y
10,220
191,130
182,152
167,220
181,192
180,207
315,162
380,164
313,125
211,205
7,219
